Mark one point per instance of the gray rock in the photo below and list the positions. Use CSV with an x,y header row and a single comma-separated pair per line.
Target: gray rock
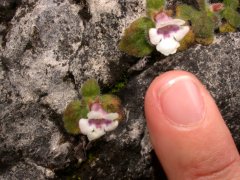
x,y
104,22
27,170
127,152
48,48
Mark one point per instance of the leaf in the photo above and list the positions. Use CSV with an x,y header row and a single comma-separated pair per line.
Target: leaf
x,y
203,27
186,12
112,104
232,17
216,18
134,42
203,22
231,3
154,6
202,4
90,88
73,113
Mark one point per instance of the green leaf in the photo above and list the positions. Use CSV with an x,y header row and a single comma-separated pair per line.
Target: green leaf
x,y
90,88
186,12
154,6
134,42
73,113
203,22
216,18
202,4
232,17
231,3
203,27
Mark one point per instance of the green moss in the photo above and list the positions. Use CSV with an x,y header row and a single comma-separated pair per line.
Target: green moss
x,y
73,177
226,27
91,157
187,41
119,86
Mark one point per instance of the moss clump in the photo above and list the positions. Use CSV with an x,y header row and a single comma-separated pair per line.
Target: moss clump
x,y
118,87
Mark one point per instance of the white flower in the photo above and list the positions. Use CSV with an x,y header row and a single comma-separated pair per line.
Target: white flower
x,y
98,122
167,34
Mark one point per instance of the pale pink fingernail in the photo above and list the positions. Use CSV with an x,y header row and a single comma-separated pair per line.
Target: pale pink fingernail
x,y
181,101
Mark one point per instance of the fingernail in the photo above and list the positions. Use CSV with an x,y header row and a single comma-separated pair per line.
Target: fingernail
x,y
181,101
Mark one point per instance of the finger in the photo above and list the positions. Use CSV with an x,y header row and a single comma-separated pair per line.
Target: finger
x,y
187,131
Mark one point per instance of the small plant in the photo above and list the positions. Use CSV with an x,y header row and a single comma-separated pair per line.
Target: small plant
x,y
94,114
171,32
230,15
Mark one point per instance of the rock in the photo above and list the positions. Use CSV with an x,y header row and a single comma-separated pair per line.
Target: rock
x,y
7,9
104,22
48,48
27,170
127,152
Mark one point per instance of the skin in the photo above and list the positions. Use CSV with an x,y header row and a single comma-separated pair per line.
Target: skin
x,y
204,150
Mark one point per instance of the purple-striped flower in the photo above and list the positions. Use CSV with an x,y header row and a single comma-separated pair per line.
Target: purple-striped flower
x,y
98,122
168,33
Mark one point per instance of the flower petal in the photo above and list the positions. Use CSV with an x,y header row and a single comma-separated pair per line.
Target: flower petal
x,y
111,126
178,22
179,35
84,126
95,115
111,116
216,7
162,17
168,46
155,38
98,107
95,134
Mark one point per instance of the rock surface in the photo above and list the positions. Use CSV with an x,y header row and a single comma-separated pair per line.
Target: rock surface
x,y
127,152
48,48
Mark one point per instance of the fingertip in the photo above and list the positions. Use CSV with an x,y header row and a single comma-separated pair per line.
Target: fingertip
x,y
183,122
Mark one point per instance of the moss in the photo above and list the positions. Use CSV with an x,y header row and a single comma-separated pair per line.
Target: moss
x,y
91,157
74,177
121,84
205,41
118,87
226,27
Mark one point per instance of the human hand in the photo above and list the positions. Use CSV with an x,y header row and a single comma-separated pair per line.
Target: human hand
x,y
187,131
